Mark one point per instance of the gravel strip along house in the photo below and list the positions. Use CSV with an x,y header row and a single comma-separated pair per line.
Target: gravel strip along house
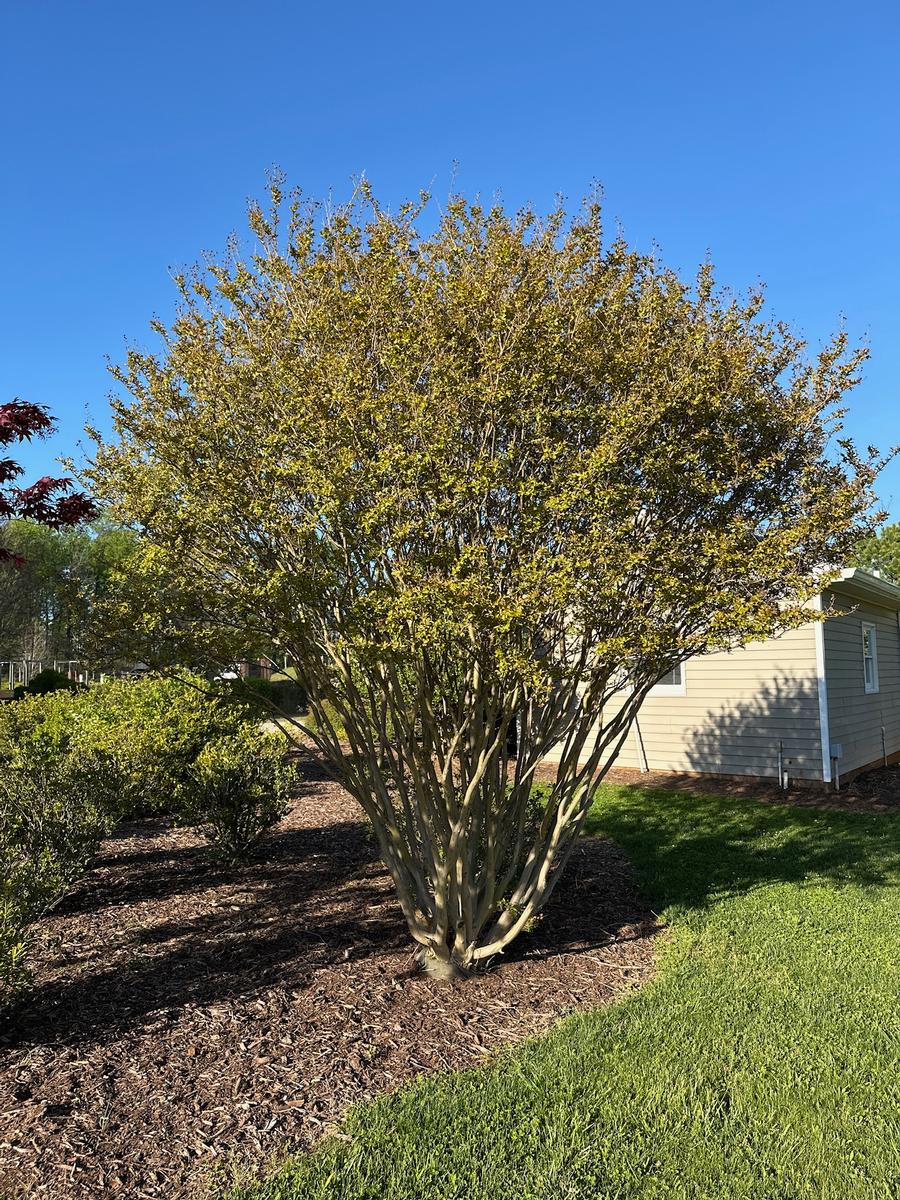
x,y
813,706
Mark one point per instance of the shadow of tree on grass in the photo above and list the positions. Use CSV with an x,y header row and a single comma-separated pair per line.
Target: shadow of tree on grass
x,y
692,850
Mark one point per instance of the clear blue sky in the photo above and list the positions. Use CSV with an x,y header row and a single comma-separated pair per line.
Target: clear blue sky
x,y
132,135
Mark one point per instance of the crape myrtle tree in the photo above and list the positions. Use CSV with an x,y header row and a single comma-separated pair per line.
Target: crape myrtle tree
x,y
500,471
49,500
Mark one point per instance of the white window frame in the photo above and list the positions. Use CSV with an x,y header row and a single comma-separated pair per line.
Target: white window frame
x,y
870,685
671,689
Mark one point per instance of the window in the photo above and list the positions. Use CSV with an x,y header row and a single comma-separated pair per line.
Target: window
x,y
671,684
870,657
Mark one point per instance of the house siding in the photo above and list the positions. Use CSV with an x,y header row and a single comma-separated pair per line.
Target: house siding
x,y
737,707
855,717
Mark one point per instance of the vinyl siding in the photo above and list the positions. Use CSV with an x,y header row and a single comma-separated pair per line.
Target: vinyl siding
x,y
855,718
737,707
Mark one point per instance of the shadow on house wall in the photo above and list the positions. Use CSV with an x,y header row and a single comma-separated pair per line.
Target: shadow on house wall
x,y
777,727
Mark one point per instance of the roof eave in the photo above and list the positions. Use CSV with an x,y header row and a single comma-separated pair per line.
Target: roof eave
x,y
871,585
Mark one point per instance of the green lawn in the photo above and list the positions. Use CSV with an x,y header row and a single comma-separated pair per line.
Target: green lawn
x,y
762,1062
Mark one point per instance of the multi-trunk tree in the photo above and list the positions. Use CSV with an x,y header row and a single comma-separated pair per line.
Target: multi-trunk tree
x,y
501,472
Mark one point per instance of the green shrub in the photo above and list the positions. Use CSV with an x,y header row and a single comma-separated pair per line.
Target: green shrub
x,y
289,695
240,785
149,730
37,727
52,817
50,680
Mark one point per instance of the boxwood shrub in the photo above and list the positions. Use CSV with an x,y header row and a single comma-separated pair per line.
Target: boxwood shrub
x,y
53,814
149,730
240,785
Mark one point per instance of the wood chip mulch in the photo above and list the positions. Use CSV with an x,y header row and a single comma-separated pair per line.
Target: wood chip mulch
x,y
876,791
185,1015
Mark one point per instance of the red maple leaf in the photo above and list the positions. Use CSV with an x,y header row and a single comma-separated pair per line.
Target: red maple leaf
x,y
49,500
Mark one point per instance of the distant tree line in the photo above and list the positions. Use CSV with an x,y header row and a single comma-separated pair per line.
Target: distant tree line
x,y
50,581
881,552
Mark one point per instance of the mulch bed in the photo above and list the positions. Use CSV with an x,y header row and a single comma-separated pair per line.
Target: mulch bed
x,y
877,791
184,1015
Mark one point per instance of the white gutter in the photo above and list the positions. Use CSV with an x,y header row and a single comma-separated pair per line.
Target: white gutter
x,y
819,634
874,585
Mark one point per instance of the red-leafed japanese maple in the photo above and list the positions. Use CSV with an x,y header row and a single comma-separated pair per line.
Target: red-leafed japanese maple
x,y
49,500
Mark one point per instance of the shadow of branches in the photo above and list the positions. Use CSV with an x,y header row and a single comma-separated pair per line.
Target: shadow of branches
x,y
692,850
156,927
745,734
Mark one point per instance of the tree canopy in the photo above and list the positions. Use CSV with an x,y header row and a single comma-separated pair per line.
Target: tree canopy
x,y
50,583
881,552
500,472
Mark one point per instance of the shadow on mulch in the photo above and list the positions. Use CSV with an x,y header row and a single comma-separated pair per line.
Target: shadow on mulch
x,y
182,1012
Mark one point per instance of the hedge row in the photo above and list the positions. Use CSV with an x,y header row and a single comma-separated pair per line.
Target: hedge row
x,y
72,764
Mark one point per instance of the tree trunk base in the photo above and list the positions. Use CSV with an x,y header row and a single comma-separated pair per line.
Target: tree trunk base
x,y
443,968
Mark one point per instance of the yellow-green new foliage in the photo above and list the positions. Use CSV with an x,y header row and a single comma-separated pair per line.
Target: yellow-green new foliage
x,y
148,730
469,470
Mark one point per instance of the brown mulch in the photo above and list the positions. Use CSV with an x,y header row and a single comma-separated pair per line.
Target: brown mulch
x,y
185,1014
877,791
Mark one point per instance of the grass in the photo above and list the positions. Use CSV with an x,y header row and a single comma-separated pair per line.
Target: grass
x,y
762,1062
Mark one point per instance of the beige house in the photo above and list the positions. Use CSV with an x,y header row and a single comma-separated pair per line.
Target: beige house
x,y
813,705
